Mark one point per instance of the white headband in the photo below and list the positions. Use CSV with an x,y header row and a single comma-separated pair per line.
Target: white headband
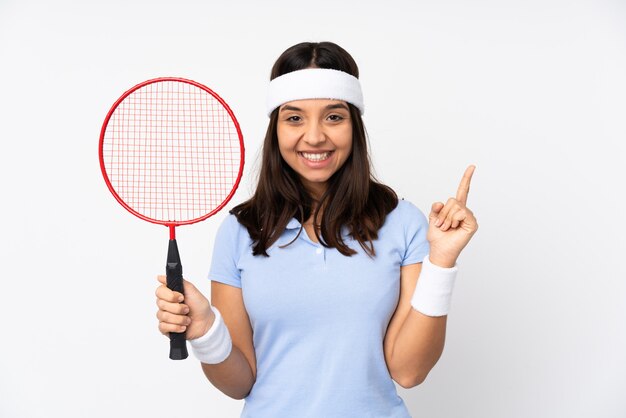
x,y
314,83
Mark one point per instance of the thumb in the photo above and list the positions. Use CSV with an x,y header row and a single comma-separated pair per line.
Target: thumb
x,y
189,288
193,297
434,210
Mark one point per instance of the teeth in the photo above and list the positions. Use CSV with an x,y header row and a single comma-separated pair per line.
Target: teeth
x,y
315,157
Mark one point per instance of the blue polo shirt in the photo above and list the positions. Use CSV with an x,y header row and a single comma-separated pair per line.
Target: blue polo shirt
x,y
319,318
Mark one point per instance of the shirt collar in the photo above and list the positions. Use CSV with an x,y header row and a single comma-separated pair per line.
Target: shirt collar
x,y
293,224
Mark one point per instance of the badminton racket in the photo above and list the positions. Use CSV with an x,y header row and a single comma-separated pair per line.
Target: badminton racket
x,y
171,153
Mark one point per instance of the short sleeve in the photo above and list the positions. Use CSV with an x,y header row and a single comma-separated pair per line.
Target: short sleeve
x,y
226,252
415,229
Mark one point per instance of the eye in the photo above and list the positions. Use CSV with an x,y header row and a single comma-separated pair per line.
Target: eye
x,y
294,118
335,118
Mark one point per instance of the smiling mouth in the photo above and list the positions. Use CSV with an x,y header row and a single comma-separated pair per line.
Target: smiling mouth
x,y
317,156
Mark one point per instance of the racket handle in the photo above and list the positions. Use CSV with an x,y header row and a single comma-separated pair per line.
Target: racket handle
x,y
174,273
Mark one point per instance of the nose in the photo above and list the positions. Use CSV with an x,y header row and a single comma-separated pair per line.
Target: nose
x,y
314,134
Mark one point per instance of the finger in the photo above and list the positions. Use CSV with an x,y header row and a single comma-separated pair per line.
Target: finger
x,y
175,308
458,217
168,295
443,214
434,210
166,328
163,280
449,218
464,186
170,318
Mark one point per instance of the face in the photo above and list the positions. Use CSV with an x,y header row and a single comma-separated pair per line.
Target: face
x,y
315,139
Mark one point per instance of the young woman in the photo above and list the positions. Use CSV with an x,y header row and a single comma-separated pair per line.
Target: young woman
x,y
316,307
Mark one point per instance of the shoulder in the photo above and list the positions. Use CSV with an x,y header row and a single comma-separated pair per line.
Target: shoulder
x,y
230,223
405,220
407,213
410,226
232,231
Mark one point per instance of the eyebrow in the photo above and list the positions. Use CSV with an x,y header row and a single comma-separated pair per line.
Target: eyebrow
x,y
330,106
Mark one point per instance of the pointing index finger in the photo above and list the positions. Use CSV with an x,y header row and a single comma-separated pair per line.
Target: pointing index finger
x,y
464,187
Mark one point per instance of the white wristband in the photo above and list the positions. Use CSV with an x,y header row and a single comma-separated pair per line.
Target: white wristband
x,y
214,346
433,292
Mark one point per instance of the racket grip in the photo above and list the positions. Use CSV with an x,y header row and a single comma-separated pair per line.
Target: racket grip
x,y
174,273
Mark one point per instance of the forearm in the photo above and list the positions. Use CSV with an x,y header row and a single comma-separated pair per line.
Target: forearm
x,y
417,348
223,363
233,376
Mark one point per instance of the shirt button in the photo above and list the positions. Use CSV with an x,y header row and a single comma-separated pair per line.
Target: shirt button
x,y
318,251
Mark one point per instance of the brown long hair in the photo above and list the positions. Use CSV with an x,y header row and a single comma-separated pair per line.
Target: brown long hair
x,y
353,198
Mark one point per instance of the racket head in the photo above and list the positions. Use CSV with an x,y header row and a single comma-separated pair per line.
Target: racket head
x,y
171,151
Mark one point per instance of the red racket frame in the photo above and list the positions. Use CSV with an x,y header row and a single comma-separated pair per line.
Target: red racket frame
x,y
169,224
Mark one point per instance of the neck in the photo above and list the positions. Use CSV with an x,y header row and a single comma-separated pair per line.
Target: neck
x,y
311,220
315,190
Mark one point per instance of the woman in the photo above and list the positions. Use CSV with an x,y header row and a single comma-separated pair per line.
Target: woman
x,y
315,304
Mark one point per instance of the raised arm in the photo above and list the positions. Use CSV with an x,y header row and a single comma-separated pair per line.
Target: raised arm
x,y
416,333
414,342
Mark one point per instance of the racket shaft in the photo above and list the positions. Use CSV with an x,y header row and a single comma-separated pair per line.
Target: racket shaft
x,y
174,273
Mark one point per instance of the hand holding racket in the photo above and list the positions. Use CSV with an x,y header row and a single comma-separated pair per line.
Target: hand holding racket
x,y
193,315
171,153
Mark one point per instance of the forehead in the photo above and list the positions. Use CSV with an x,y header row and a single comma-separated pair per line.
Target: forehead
x,y
307,105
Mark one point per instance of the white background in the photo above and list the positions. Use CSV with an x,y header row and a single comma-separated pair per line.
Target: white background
x,y
532,92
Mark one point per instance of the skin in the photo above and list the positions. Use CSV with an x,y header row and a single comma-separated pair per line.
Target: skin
x,y
413,343
451,225
314,127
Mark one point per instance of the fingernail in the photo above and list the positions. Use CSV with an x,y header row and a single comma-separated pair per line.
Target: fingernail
x,y
180,298
438,222
186,310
